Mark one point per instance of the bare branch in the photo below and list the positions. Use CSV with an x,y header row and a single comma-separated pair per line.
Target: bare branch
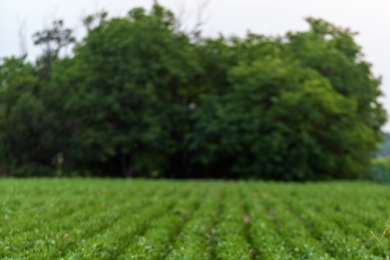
x,y
22,38
53,40
181,17
200,20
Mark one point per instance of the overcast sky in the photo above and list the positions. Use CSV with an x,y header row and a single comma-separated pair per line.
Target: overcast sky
x,y
270,17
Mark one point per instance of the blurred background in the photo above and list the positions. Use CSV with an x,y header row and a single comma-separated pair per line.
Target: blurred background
x,y
275,90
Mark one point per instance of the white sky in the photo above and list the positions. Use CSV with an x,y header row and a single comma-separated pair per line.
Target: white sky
x,y
270,17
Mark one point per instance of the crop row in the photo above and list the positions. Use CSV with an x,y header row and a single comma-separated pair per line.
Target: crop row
x,y
139,219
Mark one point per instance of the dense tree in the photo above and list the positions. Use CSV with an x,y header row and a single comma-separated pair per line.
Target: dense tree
x,y
333,53
280,122
139,97
132,79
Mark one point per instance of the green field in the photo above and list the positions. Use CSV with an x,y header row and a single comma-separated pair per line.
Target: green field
x,y
139,219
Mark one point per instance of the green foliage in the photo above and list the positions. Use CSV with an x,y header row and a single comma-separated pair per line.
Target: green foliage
x,y
131,77
25,123
333,53
138,219
16,78
138,97
281,122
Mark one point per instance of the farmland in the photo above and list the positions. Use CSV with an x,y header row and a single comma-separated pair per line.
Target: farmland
x,y
140,219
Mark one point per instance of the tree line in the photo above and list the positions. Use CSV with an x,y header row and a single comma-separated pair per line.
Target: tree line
x,y
138,97
384,148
